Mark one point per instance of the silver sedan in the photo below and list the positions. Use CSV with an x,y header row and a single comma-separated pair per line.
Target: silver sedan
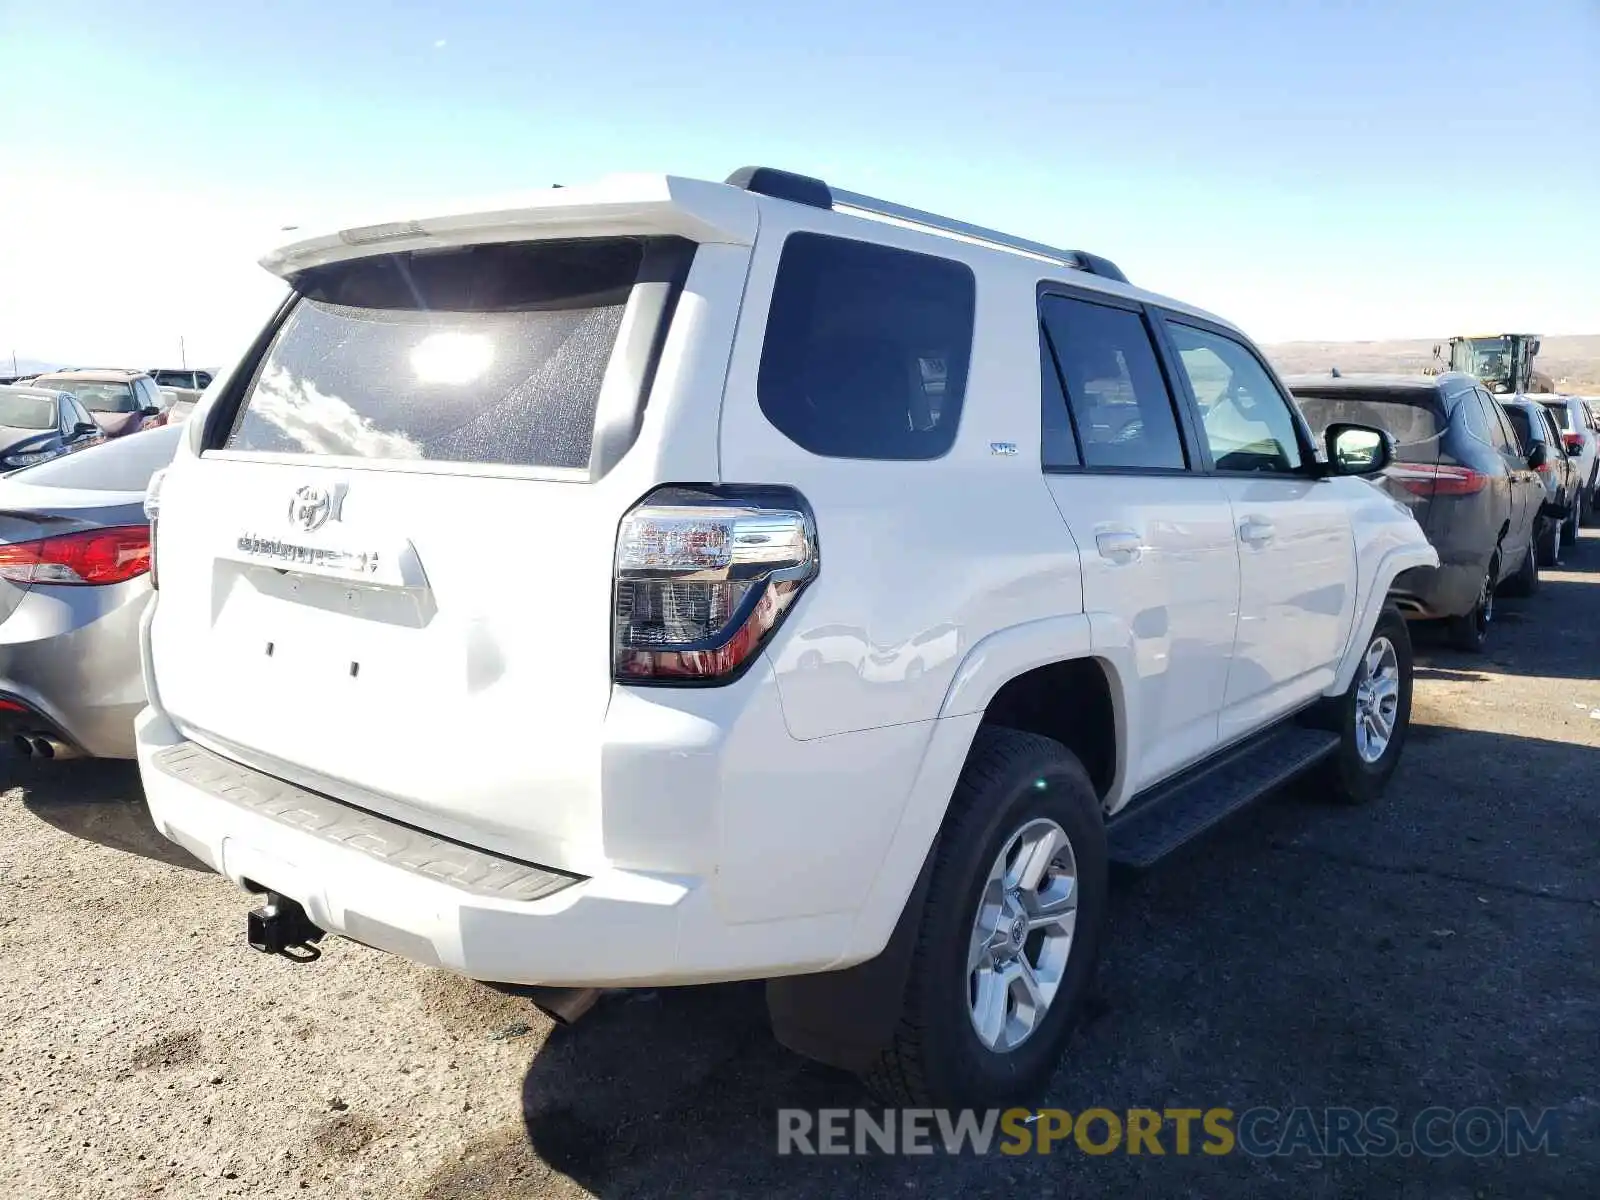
x,y
74,581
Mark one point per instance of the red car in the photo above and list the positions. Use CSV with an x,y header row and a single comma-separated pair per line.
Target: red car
x,y
120,402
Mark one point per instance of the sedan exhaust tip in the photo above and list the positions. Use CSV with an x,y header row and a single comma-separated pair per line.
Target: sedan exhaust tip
x,y
52,748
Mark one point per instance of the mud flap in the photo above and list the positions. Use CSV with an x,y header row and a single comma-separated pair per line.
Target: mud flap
x,y
847,1018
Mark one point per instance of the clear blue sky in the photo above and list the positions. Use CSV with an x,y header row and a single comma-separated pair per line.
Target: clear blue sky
x,y
1311,170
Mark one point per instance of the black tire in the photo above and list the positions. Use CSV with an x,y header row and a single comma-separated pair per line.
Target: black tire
x,y
1549,542
1569,528
1470,631
936,1057
1347,777
1525,581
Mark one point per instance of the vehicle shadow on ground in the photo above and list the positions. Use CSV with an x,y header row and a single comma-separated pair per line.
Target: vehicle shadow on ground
x,y
99,800
1299,951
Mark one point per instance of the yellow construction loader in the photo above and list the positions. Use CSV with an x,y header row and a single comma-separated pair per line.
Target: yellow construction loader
x,y
1504,361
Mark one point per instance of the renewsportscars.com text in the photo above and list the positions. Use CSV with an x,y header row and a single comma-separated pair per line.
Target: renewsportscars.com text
x,y
1259,1132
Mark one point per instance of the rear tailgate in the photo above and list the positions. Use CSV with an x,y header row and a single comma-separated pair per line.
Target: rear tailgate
x,y
1414,419
390,578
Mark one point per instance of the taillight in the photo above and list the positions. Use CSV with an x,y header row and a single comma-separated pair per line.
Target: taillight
x,y
95,556
1422,479
703,579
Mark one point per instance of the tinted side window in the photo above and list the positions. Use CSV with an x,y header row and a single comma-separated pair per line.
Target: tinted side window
x,y
1552,432
1524,431
1248,423
866,349
1118,397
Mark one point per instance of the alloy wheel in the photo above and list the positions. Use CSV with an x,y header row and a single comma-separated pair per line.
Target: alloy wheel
x,y
1022,934
1377,699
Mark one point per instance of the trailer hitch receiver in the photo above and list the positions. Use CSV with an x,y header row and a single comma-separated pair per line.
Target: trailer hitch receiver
x,y
280,926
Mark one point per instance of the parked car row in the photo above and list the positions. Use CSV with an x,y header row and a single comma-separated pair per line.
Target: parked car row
x,y
561,476
1500,484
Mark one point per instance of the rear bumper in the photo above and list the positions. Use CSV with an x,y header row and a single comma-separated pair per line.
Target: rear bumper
x,y
71,655
794,836
1430,593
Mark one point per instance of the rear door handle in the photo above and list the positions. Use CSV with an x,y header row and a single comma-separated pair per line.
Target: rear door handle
x,y
1255,531
1119,545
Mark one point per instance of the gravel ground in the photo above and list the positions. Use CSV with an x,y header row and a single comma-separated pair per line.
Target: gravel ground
x,y
1439,948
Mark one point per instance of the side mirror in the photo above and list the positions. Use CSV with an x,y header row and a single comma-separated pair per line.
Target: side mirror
x,y
149,410
85,429
1539,456
1358,449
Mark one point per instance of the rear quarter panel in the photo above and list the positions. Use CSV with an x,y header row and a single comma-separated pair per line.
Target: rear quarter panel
x,y
920,560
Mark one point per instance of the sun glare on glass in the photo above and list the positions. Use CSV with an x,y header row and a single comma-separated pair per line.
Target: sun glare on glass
x,y
451,357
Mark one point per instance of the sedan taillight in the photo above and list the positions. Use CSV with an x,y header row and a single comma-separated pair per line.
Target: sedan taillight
x,y
94,556
703,578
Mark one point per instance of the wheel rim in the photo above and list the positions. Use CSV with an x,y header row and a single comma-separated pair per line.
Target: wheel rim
x,y
1485,614
1022,935
1377,700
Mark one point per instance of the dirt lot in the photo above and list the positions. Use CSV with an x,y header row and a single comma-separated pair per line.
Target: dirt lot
x,y
1438,949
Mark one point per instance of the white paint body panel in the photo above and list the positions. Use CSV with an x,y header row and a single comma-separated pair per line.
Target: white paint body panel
x,y
1161,578
1297,570
774,825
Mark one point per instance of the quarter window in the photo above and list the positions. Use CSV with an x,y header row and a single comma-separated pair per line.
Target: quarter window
x,y
1115,391
1472,416
1058,443
1506,441
1248,424
866,349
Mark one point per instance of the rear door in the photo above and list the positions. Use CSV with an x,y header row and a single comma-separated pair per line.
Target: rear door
x,y
389,572
1297,567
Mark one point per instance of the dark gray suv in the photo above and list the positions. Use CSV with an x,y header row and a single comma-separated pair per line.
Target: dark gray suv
x,y
1463,472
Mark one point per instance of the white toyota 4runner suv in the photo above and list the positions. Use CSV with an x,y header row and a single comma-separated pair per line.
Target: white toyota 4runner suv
x,y
665,581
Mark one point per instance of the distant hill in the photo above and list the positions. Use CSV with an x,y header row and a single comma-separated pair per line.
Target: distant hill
x,y
1572,360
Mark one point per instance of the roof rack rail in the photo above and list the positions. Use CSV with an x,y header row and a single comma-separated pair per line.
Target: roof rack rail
x,y
803,189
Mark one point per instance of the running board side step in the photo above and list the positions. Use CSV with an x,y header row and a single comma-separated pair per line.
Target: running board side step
x,y
1177,811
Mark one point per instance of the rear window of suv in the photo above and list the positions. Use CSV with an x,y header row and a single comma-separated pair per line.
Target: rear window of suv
x,y
487,354
1415,419
866,349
